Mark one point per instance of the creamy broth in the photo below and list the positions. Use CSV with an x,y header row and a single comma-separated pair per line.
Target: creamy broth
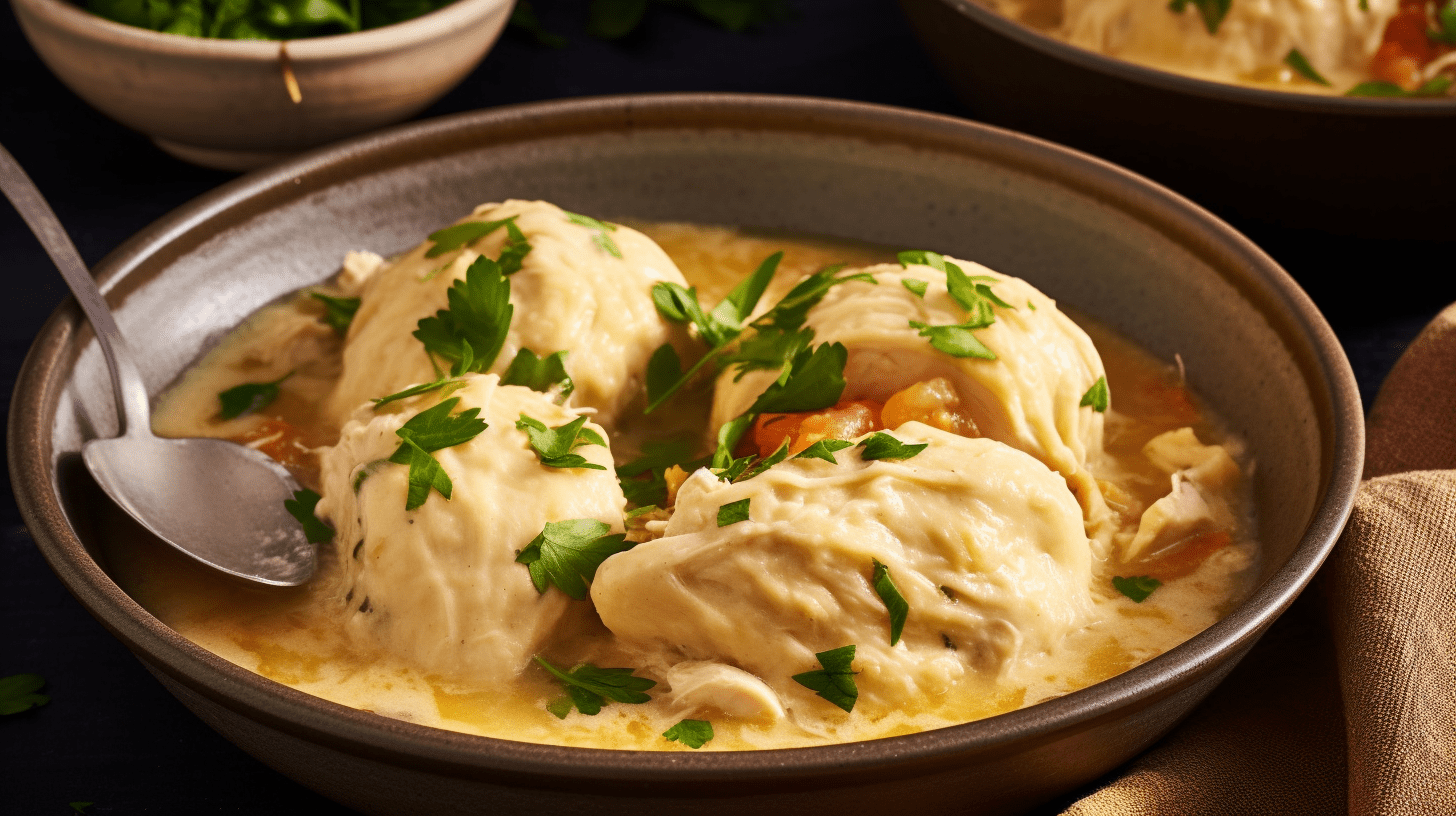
x,y
297,636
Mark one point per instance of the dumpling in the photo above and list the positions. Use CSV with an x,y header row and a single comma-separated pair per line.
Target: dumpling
x,y
580,289
439,585
1029,397
984,542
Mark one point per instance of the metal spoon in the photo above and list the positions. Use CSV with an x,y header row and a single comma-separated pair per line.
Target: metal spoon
x,y
217,501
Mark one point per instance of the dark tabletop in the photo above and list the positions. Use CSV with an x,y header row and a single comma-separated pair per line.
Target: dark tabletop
x,y
110,734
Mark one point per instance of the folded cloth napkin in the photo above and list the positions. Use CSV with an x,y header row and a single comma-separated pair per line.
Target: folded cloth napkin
x,y
1348,703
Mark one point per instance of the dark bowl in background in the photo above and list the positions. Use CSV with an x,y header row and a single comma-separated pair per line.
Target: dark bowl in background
x,y
1380,168
1111,244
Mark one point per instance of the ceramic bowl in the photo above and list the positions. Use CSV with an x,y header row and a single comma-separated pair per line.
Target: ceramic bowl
x,y
1100,239
227,103
1342,165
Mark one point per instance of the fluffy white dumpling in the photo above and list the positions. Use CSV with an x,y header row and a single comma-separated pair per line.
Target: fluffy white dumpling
x,y
1029,397
984,542
439,585
572,294
1338,37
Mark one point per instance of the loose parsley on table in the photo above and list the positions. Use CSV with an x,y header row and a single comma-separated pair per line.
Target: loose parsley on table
x,y
833,681
249,397
554,446
21,692
588,688
301,507
692,733
428,431
567,554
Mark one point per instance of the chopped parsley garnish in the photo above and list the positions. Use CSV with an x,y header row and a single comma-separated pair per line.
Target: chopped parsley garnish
x,y
554,445
895,603
955,340
1437,86
692,733
1212,11
974,295
567,554
1446,17
824,449
789,313
454,237
589,688
915,285
814,379
545,374
472,330
1137,588
923,257
884,446
833,681
656,458
448,384
769,349
1294,59
426,432
733,512
338,311
728,438
602,237
665,375
21,692
249,397
1097,396
301,507
514,251
766,462
80,807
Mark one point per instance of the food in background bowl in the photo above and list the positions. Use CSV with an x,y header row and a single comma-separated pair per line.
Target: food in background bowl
x,y
912,503
1355,47
260,20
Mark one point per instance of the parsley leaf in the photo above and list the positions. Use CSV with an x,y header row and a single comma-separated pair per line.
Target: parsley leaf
x,y
814,380
602,239
656,458
790,312
472,330
567,554
767,349
834,681
740,303
249,397
1437,86
589,688
824,449
514,250
1137,588
1294,59
884,446
915,285
554,445
524,17
448,384
20,692
545,374
1446,17
1212,11
974,295
1097,396
301,507
956,340
895,603
80,807
767,462
454,237
692,733
733,512
338,311
923,257
611,19
728,437
429,431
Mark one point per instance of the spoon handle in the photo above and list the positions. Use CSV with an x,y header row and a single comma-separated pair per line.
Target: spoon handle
x,y
133,411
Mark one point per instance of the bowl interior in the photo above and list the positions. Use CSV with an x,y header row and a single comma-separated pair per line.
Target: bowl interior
x,y
1105,242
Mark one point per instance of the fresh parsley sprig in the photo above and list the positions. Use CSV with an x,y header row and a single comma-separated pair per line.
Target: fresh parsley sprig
x,y
426,432
895,603
554,445
589,688
301,507
338,311
833,681
567,554
471,332
545,374
692,733
249,397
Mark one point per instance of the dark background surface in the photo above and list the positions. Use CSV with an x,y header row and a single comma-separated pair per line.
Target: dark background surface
x,y
111,735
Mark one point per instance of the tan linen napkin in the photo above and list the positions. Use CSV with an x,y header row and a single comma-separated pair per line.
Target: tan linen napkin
x,y
1348,704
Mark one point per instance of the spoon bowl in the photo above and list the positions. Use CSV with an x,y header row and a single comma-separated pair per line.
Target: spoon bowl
x,y
216,501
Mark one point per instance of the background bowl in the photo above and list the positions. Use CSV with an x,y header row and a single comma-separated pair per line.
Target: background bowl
x,y
1098,238
1343,165
225,104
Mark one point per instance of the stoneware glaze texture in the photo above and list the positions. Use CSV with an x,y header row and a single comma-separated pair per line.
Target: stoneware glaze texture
x,y
1343,165
1099,239
225,104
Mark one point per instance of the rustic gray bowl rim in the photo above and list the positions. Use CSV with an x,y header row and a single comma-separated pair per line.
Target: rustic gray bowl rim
x,y
530,765
1396,107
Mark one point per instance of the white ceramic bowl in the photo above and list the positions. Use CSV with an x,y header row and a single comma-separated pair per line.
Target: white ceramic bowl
x,y
226,103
